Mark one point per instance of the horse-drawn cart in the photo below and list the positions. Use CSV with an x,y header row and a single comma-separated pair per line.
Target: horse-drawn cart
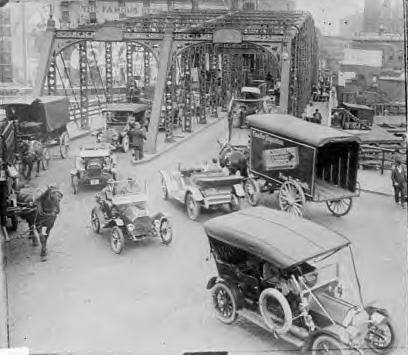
x,y
304,161
43,119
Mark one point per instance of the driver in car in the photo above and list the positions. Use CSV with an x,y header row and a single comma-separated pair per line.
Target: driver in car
x,y
107,194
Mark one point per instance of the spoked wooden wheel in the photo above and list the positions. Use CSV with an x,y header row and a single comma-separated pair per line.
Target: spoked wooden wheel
x,y
327,345
64,145
340,207
117,240
96,224
224,303
166,231
252,191
292,198
125,143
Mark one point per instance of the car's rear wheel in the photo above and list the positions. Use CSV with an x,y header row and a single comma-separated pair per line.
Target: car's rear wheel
x,y
193,208
225,303
117,240
166,231
95,223
327,345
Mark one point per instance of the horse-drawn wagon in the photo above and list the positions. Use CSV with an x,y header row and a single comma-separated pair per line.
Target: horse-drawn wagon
x,y
40,122
304,161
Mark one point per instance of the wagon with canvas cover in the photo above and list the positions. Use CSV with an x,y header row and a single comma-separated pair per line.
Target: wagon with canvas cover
x,y
295,279
43,118
302,160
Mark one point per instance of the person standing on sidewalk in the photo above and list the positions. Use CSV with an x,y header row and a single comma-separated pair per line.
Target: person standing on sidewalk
x,y
138,136
399,182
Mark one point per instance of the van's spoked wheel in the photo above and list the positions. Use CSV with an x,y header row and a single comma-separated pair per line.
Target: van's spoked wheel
x,y
340,207
292,198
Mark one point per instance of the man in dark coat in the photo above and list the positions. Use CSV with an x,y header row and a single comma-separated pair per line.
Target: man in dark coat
x,y
137,138
317,116
399,182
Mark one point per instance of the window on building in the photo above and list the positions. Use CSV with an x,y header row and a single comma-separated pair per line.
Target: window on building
x,y
391,57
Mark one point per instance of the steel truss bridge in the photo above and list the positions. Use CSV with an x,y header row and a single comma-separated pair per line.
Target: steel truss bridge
x,y
207,52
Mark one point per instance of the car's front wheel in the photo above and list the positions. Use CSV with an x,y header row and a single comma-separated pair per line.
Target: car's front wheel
x,y
166,231
117,240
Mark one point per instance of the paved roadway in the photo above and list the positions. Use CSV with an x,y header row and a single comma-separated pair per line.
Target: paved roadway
x,y
153,297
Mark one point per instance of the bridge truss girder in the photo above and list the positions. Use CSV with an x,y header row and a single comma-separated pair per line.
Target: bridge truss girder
x,y
276,34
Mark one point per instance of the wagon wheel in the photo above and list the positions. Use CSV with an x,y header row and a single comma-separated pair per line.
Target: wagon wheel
x,y
292,198
235,204
117,240
340,207
64,145
326,344
46,157
252,191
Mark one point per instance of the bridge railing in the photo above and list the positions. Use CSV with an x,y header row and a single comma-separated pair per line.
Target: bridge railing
x,y
379,157
390,109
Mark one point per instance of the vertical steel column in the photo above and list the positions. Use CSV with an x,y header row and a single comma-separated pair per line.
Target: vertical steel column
x,y
226,79
202,81
52,77
169,109
108,71
214,83
146,67
187,88
83,85
129,62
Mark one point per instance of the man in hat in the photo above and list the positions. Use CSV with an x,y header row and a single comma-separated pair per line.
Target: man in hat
x,y
399,181
107,194
138,135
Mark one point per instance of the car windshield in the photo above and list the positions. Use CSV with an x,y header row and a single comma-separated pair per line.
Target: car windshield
x,y
117,116
336,276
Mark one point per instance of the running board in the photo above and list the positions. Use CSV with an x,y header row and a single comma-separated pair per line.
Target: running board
x,y
295,336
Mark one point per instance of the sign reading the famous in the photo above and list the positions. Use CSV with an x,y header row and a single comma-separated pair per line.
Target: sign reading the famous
x,y
280,158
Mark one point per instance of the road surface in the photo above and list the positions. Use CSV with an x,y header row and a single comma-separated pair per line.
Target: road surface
x,y
153,297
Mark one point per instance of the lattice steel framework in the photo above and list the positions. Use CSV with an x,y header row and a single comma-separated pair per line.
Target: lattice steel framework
x,y
129,61
83,84
108,71
268,31
146,67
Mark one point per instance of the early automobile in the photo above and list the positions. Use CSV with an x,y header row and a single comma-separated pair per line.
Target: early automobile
x,y
117,115
94,166
127,216
295,279
43,118
304,161
249,102
202,188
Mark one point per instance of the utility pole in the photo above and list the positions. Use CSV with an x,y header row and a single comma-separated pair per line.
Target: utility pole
x,y
24,37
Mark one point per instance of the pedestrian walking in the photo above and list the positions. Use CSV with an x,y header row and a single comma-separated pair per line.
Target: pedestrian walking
x,y
399,182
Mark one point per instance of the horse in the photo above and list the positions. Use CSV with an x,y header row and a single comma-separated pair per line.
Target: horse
x,y
31,151
42,215
233,158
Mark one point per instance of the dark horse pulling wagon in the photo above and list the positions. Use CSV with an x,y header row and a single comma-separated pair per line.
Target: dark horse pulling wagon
x,y
40,122
305,161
